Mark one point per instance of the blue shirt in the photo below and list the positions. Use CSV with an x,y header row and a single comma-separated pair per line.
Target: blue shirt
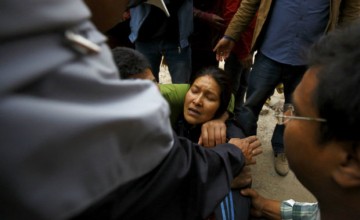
x,y
293,26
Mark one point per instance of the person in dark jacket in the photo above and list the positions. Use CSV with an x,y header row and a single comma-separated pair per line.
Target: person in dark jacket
x,y
77,142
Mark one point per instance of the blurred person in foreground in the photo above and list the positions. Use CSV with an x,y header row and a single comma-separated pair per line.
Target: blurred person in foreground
x,y
78,143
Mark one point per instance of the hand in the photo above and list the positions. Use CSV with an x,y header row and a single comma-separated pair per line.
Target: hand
x,y
262,207
243,179
217,22
250,147
211,19
223,49
212,133
257,201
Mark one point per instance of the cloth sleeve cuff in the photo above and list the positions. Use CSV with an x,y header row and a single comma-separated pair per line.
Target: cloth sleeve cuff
x,y
229,38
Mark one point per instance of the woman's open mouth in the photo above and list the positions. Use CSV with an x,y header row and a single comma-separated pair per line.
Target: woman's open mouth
x,y
193,112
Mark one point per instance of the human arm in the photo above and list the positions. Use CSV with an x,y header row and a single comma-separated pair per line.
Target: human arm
x,y
244,179
225,45
250,147
349,11
275,210
211,19
238,25
217,130
223,48
213,132
261,206
188,184
91,136
242,18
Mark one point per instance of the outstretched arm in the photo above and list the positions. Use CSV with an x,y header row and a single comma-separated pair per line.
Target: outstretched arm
x,y
263,207
211,19
275,210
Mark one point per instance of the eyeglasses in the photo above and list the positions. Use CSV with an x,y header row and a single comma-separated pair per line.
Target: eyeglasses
x,y
287,112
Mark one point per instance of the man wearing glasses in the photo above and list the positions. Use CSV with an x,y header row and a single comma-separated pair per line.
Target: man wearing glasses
x,y
284,31
322,141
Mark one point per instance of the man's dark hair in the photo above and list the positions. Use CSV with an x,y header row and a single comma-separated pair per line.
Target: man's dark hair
x,y
337,96
224,83
129,61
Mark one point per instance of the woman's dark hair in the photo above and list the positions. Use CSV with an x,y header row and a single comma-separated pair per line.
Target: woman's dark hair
x,y
337,96
224,83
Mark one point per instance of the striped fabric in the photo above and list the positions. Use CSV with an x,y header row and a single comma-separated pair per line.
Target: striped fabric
x,y
227,207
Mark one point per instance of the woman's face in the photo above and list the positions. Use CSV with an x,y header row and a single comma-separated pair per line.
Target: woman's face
x,y
202,100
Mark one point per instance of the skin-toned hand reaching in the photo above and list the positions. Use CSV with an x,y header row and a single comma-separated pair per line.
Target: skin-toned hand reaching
x,y
217,22
263,207
223,48
242,180
250,147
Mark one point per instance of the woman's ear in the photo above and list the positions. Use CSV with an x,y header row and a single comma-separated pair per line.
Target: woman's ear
x,y
347,174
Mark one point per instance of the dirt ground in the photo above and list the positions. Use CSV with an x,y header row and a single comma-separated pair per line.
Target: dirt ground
x,y
265,179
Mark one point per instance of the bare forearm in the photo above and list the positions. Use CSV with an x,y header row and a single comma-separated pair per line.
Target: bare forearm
x,y
271,209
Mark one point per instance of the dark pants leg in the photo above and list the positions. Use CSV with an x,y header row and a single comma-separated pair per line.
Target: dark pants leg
x,y
291,76
239,78
263,78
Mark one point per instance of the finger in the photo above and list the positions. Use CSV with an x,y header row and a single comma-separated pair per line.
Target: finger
x,y
220,134
223,135
200,142
211,136
246,192
251,138
254,141
254,145
257,152
221,45
204,137
219,58
218,55
220,24
217,135
220,19
217,46
241,182
226,54
252,161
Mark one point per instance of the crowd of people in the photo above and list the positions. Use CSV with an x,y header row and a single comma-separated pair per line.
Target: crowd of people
x,y
87,131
